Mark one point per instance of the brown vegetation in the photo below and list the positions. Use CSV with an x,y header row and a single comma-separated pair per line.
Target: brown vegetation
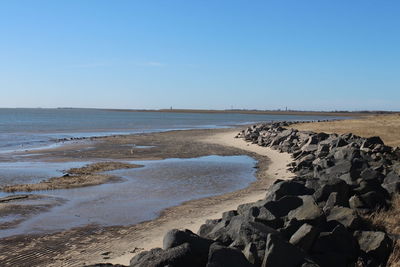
x,y
76,177
389,221
388,128
385,126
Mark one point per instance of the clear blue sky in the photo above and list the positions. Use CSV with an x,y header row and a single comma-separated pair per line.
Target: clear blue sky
x,y
303,54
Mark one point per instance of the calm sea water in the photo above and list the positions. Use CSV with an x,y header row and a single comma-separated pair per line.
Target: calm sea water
x,y
156,186
32,128
141,195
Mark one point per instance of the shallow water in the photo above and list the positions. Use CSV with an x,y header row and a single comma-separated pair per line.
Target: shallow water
x,y
22,129
27,172
143,193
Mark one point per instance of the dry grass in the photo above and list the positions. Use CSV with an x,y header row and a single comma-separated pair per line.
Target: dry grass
x,y
385,126
388,128
390,221
77,177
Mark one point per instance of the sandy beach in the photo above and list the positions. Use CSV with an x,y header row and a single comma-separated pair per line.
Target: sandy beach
x,y
193,219
94,244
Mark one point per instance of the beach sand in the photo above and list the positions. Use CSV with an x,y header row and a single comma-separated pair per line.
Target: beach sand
x,y
193,219
96,244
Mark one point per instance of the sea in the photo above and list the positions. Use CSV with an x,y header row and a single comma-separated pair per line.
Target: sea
x,y
23,128
158,185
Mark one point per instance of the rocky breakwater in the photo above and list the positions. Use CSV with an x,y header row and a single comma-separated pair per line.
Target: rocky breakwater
x,y
315,219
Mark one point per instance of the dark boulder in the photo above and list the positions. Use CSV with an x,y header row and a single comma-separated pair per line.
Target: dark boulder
x,y
338,142
375,247
370,174
371,142
305,237
206,228
333,185
199,246
335,199
251,254
348,152
345,216
228,215
220,256
284,205
307,212
335,248
180,256
374,200
287,188
322,150
266,217
391,183
290,227
279,252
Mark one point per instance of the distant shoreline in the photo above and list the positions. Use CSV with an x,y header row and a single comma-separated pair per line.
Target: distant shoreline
x,y
342,113
260,112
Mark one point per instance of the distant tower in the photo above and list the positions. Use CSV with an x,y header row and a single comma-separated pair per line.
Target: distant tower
x,y
286,109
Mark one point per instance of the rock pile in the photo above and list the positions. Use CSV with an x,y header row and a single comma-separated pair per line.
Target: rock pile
x,y
311,220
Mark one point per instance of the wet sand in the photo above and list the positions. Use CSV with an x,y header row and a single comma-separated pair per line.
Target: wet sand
x,y
93,243
76,177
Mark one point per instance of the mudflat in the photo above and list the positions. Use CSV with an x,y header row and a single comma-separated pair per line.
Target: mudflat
x,y
95,243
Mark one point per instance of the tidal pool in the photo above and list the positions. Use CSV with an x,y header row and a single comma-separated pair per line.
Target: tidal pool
x,y
142,193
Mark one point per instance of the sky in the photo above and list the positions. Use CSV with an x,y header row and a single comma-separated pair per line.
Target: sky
x,y
299,54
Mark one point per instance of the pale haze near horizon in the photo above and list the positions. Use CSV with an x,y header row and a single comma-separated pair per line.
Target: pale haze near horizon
x,y
310,55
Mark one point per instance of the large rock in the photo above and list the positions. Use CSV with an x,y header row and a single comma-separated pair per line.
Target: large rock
x,y
268,218
205,229
284,205
375,247
335,199
335,248
371,142
348,152
251,254
391,182
281,253
304,237
345,216
287,188
220,256
180,256
200,246
307,212
333,185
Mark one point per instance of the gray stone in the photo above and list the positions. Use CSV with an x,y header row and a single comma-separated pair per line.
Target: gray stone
x,y
199,245
281,253
335,199
251,254
375,246
335,248
220,256
284,205
287,188
308,211
304,237
345,216
180,256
